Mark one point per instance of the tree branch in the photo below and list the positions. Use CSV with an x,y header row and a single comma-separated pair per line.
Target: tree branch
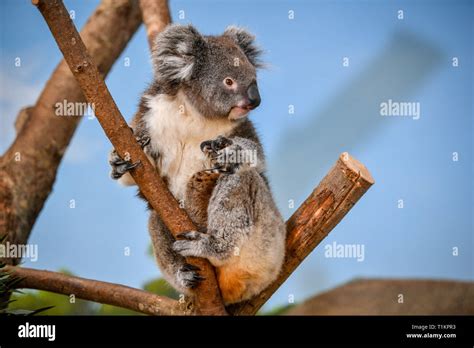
x,y
156,16
28,168
347,181
208,299
335,195
97,291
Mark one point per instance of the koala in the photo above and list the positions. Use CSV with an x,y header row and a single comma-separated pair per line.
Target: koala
x,y
193,125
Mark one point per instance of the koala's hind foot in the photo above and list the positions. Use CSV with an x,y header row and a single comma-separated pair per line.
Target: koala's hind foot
x,y
188,276
192,243
174,268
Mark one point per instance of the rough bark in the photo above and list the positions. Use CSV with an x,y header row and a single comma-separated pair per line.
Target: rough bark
x,y
97,291
156,16
332,199
341,188
207,294
208,300
22,195
382,297
28,168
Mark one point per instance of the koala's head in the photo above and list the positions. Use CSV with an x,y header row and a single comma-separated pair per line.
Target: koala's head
x,y
216,73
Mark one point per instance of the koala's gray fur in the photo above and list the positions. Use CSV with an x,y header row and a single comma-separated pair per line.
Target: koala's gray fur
x,y
191,120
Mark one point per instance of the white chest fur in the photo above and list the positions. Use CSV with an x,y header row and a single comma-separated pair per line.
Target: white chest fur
x,y
177,131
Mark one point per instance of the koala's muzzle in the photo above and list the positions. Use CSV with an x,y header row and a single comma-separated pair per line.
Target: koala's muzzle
x,y
253,96
248,100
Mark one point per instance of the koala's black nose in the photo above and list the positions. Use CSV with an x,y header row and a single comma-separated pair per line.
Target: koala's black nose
x,y
253,95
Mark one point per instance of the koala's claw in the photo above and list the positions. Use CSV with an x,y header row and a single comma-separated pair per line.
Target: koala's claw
x,y
188,276
143,141
188,267
119,165
214,149
211,147
221,169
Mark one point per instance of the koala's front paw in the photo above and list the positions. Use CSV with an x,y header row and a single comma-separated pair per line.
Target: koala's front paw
x,y
189,244
119,165
223,154
188,276
211,147
142,140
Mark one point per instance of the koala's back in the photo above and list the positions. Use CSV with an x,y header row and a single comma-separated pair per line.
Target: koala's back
x,y
258,261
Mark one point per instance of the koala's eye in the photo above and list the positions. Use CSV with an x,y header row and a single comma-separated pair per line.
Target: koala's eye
x,y
228,81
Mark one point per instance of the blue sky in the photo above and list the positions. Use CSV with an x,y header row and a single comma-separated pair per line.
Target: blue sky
x,y
337,109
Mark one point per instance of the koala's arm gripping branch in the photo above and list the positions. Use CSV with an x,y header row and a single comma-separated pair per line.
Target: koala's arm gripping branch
x,y
336,194
208,299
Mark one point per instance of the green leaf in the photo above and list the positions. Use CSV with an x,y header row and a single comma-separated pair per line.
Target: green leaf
x,y
161,287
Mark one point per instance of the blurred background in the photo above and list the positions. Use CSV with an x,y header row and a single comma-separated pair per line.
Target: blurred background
x,y
331,65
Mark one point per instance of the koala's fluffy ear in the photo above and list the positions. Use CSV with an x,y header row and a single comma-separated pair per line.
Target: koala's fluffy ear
x,y
174,54
246,41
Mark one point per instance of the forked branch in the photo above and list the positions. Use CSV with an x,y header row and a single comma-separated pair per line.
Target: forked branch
x,y
208,299
336,194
